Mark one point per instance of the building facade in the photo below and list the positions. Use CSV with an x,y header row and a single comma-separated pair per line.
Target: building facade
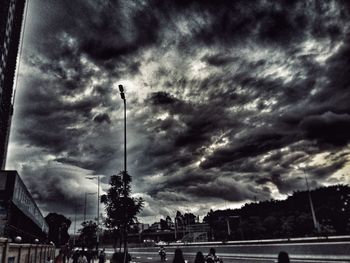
x,y
19,214
11,16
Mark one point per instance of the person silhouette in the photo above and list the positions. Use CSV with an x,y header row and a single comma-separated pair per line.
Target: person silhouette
x,y
212,257
178,256
199,258
283,257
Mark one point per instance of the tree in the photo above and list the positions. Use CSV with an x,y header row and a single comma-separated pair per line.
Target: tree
x,y
121,208
163,224
189,218
58,228
88,234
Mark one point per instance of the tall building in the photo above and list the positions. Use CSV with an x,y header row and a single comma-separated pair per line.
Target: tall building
x,y
11,16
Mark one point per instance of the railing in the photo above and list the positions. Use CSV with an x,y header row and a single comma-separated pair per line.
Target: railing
x,y
24,253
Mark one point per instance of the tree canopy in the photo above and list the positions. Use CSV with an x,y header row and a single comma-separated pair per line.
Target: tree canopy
x,y
88,234
120,206
285,218
58,228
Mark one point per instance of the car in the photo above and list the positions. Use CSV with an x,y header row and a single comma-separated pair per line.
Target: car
x,y
148,242
161,243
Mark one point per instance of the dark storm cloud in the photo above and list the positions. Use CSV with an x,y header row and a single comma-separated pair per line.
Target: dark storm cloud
x,y
224,99
162,98
321,172
328,128
294,100
256,144
100,118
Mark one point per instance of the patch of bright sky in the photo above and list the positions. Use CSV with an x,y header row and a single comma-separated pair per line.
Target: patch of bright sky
x,y
321,50
266,156
220,142
134,88
157,178
35,153
319,159
73,98
341,175
162,116
229,205
278,63
184,25
77,126
87,63
276,71
274,191
199,69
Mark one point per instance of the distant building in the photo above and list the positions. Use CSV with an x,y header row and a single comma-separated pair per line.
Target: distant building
x,y
19,214
155,226
140,227
11,16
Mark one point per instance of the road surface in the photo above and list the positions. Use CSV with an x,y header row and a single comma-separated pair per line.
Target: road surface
x,y
320,252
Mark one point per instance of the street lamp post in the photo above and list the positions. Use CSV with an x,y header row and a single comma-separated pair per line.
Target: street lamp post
x,y
122,95
75,223
85,203
98,207
85,215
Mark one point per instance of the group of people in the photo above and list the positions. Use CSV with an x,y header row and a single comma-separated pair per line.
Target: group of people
x,y
78,257
200,258
283,257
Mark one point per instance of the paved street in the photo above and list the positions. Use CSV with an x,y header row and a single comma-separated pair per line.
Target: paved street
x,y
316,252
321,252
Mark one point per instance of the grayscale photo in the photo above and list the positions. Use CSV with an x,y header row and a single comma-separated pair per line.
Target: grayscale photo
x,y
179,131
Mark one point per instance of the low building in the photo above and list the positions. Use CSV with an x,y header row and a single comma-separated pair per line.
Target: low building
x,y
196,233
19,214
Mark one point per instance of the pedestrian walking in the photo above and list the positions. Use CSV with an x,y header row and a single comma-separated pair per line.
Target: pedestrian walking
x,y
75,256
199,258
178,256
89,256
212,257
283,257
102,256
59,258
82,258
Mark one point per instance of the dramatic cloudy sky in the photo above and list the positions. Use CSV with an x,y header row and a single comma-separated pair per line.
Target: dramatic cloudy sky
x,y
227,100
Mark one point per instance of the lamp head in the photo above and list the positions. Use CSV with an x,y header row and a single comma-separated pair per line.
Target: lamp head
x,y
121,88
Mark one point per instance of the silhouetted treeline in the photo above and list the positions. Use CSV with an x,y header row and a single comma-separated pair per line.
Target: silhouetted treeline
x,y
285,218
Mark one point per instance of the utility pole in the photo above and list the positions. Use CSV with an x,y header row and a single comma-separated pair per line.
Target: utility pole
x,y
85,207
75,225
175,228
98,214
228,226
98,208
85,213
316,225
